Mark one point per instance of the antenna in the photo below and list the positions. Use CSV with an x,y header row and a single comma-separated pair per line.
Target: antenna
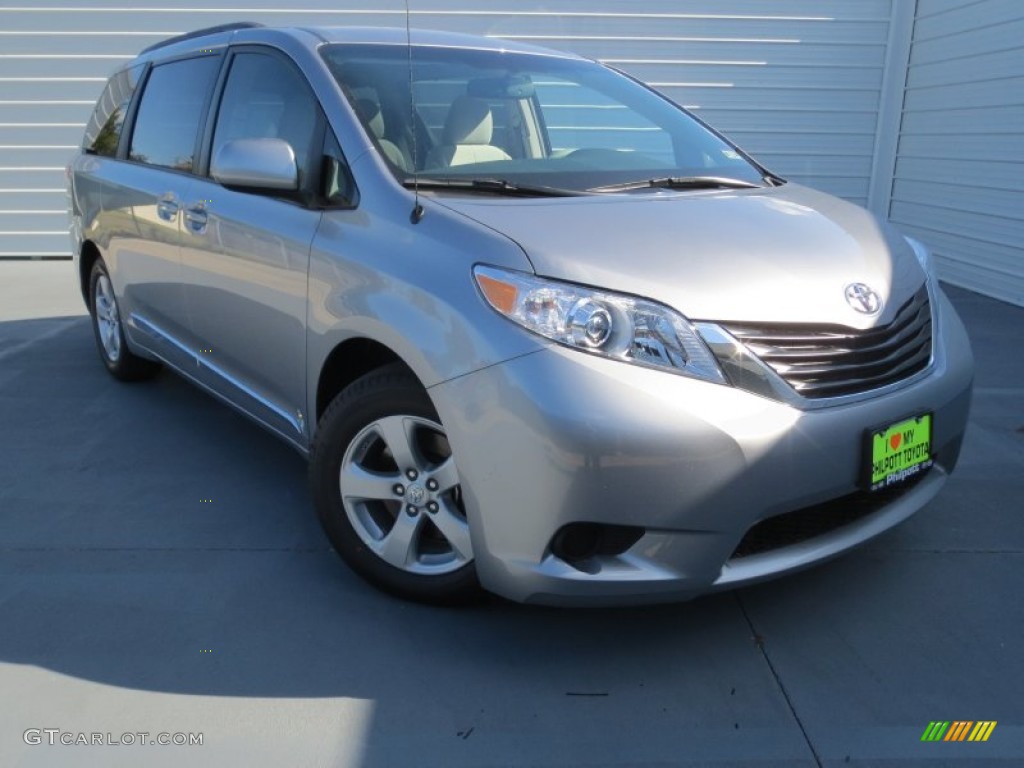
x,y
417,209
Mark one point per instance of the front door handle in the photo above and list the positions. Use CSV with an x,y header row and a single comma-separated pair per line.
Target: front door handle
x,y
167,207
196,218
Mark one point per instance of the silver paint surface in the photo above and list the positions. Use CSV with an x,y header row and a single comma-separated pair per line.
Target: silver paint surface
x,y
248,297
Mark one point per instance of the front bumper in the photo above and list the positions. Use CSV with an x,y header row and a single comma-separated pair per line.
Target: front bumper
x,y
559,437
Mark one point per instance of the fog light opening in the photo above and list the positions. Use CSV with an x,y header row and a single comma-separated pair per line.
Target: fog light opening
x,y
579,543
575,542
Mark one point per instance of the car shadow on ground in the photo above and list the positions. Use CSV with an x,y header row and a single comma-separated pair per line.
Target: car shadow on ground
x,y
146,522
151,539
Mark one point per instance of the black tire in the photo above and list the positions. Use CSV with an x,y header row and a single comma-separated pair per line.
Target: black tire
x,y
350,428
107,329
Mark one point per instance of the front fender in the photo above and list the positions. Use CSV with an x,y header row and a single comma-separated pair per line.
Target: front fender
x,y
375,275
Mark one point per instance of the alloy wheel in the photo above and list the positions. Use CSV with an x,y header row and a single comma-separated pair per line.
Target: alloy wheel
x,y
108,320
401,494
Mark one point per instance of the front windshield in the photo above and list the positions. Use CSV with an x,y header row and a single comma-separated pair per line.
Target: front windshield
x,y
524,118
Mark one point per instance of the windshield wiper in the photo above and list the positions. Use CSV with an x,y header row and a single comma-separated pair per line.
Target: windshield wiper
x,y
679,182
495,186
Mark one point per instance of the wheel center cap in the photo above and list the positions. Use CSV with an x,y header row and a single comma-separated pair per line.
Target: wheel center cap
x,y
416,494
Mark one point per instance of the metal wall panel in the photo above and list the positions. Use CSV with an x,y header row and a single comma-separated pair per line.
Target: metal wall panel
x,y
795,82
959,175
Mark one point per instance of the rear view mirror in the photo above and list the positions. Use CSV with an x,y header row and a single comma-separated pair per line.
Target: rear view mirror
x,y
508,87
257,165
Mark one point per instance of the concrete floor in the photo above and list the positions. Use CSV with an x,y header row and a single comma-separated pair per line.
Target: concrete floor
x,y
128,605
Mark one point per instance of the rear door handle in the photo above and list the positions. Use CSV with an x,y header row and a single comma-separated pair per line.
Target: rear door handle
x,y
167,207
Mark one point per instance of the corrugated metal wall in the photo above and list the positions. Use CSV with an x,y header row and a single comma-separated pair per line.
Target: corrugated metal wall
x,y
959,179
796,82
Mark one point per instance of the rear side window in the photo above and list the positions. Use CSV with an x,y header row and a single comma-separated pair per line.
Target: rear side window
x,y
167,122
103,132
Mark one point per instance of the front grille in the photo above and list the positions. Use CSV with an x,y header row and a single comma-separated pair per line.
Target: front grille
x,y
832,360
808,523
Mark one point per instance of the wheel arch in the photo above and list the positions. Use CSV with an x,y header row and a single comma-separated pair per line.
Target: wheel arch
x,y
89,255
349,360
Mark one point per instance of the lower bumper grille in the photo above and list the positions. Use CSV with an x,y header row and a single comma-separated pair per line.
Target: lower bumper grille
x,y
808,523
832,360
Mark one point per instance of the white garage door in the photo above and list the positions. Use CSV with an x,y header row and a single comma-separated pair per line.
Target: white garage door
x,y
959,182
796,82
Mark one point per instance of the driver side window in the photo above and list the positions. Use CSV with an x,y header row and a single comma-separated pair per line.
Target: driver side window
x,y
267,98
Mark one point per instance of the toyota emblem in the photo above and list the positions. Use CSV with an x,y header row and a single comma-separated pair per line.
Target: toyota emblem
x,y
863,298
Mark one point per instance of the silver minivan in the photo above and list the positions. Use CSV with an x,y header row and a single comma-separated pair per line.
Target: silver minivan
x,y
538,329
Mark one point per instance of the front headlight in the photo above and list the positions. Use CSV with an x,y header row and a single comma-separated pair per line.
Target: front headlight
x,y
599,322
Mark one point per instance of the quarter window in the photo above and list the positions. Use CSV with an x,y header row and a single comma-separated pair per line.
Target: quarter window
x,y
103,132
265,98
170,112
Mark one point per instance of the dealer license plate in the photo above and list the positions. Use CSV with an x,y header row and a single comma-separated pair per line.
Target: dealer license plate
x,y
899,452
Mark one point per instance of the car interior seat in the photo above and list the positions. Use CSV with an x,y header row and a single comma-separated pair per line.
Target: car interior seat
x,y
468,131
373,118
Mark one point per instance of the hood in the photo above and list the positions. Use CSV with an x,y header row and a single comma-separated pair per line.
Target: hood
x,y
783,254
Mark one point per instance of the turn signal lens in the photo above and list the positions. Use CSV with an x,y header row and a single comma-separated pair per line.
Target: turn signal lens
x,y
500,294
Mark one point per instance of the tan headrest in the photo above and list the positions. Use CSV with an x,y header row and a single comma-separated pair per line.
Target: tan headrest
x,y
469,122
371,115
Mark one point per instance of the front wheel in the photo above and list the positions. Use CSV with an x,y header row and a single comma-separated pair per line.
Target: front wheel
x,y
386,489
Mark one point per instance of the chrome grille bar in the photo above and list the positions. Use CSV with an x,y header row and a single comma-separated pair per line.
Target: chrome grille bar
x,y
831,360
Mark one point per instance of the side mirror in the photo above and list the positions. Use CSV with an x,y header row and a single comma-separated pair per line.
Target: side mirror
x,y
260,165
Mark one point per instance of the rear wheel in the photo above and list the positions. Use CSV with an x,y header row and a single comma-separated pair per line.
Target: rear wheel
x,y
109,333
386,489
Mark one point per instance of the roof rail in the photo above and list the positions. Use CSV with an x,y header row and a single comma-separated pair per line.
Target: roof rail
x,y
202,33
